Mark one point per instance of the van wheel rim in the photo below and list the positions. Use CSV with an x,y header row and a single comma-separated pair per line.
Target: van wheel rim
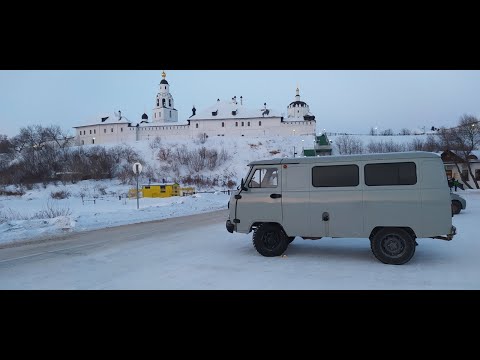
x,y
393,245
271,240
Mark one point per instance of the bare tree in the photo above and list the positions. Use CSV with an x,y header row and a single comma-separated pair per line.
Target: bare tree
x,y
405,131
432,143
384,147
55,134
347,145
155,143
462,140
415,145
6,146
202,138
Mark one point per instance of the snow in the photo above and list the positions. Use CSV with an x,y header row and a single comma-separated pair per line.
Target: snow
x,y
225,109
326,263
111,118
108,210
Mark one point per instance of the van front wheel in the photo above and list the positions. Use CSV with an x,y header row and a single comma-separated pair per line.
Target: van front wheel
x,y
393,246
270,240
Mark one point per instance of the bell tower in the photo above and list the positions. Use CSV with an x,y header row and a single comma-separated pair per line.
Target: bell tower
x,y
164,110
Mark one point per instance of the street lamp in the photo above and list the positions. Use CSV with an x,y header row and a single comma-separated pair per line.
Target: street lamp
x,y
293,131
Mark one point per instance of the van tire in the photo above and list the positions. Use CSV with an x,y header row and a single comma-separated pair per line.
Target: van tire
x,y
270,240
290,239
393,246
456,207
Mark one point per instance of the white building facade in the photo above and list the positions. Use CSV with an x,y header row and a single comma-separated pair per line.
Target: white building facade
x,y
223,118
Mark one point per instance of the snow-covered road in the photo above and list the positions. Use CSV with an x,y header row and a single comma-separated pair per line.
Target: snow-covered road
x,y
196,252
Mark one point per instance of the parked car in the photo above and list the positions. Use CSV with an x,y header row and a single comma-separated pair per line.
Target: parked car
x,y
458,203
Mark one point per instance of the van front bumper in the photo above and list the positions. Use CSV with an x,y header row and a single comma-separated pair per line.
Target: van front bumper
x,y
230,226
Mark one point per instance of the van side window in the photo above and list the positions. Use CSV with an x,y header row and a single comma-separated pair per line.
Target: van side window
x,y
264,178
404,173
335,176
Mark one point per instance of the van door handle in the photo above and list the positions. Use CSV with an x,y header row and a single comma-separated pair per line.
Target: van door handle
x,y
275,196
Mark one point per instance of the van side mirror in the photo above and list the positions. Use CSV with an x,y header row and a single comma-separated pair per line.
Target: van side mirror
x,y
242,186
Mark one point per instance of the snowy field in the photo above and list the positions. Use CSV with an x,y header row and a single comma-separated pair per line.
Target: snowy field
x,y
107,210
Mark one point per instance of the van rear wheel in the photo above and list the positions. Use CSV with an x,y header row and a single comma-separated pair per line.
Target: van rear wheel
x,y
456,207
393,246
270,240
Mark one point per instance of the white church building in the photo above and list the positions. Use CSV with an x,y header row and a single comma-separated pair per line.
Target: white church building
x,y
223,118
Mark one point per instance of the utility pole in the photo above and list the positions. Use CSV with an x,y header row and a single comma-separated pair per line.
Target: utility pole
x,y
138,199
137,169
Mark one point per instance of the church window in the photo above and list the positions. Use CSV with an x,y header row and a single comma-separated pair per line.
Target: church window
x,y
94,131
170,113
196,125
105,131
83,142
90,132
163,102
242,123
223,124
112,130
158,102
248,124
170,102
236,123
259,123
121,129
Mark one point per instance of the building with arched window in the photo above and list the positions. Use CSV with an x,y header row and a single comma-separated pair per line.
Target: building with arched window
x,y
223,118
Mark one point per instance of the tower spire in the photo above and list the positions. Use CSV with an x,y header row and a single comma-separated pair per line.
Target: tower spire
x,y
163,74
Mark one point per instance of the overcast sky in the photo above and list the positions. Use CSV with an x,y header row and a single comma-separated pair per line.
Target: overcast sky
x,y
342,100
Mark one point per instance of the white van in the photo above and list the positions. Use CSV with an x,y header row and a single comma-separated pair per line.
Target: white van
x,y
391,199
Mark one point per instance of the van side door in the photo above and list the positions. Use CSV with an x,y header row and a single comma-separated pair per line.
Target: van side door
x,y
392,195
336,200
295,201
262,200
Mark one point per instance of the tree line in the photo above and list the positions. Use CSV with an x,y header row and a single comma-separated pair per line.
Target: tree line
x,y
45,154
